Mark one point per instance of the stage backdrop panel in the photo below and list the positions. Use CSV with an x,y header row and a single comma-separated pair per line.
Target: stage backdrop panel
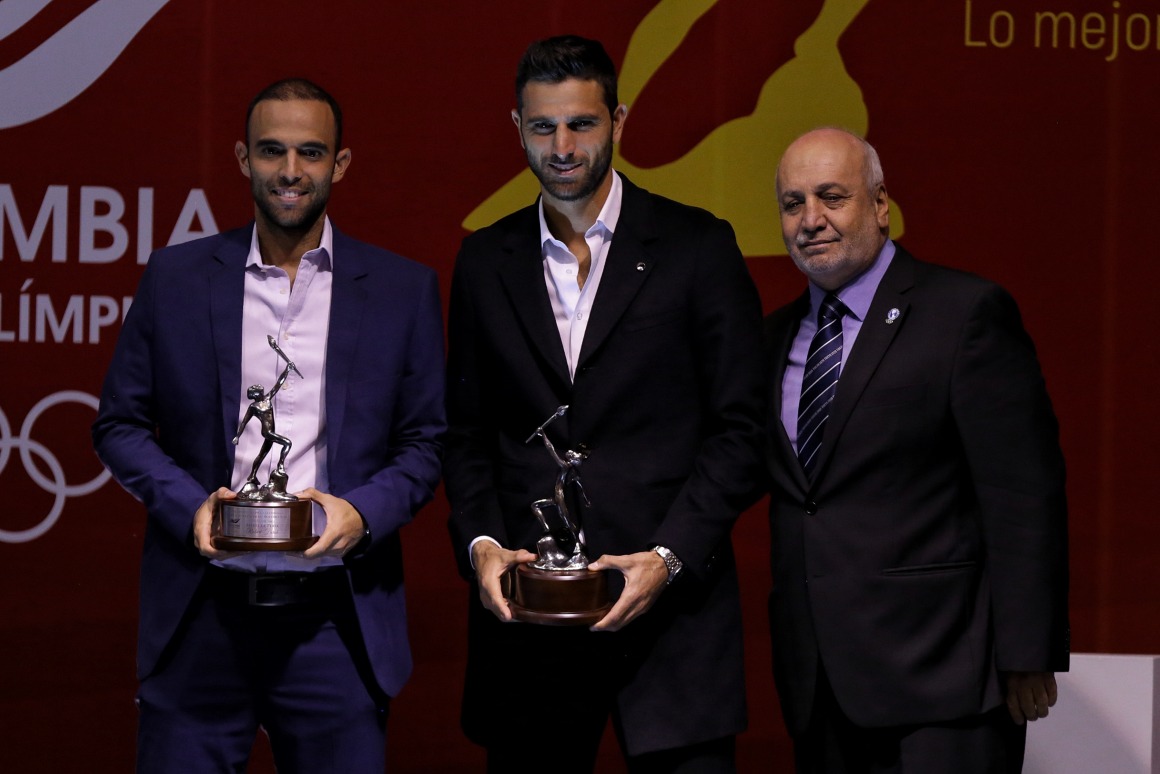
x,y
1018,139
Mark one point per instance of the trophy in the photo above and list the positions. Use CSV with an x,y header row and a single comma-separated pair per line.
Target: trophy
x,y
558,588
265,517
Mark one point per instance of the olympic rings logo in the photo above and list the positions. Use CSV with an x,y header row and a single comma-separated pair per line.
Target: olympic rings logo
x,y
55,483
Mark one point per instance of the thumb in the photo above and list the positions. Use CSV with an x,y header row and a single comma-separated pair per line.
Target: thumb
x,y
606,562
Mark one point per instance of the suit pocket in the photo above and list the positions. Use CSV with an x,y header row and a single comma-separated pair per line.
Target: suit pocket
x,y
893,396
930,569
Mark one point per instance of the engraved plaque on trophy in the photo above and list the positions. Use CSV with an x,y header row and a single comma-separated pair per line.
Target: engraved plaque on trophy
x,y
265,517
558,588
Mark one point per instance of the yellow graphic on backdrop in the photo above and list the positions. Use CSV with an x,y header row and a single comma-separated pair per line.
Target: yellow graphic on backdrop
x,y
731,171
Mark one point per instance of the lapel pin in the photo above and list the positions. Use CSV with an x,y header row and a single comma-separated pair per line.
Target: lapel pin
x,y
892,315
640,266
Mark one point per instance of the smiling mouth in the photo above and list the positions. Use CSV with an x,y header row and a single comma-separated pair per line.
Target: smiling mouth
x,y
288,195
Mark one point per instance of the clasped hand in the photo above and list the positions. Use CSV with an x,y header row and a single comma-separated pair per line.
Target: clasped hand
x,y
645,577
344,525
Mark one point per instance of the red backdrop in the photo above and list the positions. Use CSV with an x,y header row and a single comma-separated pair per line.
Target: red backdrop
x,y
1017,143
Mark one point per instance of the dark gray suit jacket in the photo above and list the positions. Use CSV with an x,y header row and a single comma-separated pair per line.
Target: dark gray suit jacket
x,y
930,549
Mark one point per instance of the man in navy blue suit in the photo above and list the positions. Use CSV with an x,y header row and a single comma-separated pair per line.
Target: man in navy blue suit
x,y
309,646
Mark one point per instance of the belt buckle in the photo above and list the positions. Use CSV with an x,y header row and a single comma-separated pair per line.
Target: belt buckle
x,y
262,591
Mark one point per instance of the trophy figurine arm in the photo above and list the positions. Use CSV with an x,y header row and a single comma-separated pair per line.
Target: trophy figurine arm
x,y
242,425
281,379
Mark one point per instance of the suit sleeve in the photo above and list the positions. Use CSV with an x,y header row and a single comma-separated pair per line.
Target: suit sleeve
x,y
125,430
728,351
471,442
406,482
1011,440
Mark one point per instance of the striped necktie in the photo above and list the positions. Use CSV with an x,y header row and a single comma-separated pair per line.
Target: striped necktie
x,y
820,381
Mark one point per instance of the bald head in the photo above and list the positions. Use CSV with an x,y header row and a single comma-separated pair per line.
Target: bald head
x,y
833,205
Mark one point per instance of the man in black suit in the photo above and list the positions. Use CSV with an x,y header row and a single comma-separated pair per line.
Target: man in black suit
x,y
639,314
918,515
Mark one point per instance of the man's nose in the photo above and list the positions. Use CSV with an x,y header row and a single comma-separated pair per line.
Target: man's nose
x,y
291,167
814,215
563,142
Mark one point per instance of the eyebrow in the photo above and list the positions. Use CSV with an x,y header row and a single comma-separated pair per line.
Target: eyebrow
x,y
564,120
311,144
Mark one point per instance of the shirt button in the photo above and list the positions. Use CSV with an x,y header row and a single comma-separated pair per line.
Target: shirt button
x,y
579,315
811,508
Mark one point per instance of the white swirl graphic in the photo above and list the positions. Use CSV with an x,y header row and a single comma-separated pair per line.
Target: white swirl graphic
x,y
55,484
66,64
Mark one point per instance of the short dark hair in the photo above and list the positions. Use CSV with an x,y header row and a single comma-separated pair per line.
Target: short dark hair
x,y
557,59
298,88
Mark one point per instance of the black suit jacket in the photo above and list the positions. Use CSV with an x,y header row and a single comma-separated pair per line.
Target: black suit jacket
x,y
667,397
930,549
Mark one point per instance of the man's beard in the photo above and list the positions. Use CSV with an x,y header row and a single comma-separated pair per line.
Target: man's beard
x,y
597,170
296,221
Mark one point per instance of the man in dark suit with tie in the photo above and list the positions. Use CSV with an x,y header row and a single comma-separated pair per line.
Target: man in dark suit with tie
x,y
918,516
309,646
637,313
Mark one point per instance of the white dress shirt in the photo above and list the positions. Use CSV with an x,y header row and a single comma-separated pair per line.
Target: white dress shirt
x,y
571,303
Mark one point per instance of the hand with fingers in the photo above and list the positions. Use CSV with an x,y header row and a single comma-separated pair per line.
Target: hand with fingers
x,y
203,525
345,526
645,578
1030,695
491,563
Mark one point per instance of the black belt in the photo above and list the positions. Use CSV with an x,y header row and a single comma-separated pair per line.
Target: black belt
x,y
277,589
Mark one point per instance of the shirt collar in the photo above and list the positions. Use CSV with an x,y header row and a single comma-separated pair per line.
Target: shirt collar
x,y
606,221
322,256
858,293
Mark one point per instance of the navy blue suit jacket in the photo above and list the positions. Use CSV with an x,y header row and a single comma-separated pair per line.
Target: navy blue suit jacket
x,y
170,406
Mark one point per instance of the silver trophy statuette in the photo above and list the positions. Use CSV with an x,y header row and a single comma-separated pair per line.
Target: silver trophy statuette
x,y
266,517
558,588
560,548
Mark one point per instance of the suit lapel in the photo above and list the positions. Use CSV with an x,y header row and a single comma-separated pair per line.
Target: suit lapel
x,y
226,293
347,305
522,274
782,334
627,267
874,339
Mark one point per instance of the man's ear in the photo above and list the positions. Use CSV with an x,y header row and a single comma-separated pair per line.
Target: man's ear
x,y
519,127
882,207
341,162
619,116
243,154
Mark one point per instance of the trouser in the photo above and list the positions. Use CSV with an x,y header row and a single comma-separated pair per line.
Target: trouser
x,y
297,669
989,743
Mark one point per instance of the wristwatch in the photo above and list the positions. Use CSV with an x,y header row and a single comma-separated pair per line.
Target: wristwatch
x,y
674,564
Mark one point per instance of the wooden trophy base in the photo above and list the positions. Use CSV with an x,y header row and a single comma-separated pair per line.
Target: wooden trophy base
x,y
558,597
247,525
